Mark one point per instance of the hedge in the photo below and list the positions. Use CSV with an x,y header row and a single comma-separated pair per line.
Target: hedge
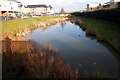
x,y
112,15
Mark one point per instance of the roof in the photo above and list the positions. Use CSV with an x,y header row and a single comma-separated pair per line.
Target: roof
x,y
35,6
14,1
114,0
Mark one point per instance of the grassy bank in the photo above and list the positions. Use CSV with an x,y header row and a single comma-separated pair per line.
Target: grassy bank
x,y
104,29
8,26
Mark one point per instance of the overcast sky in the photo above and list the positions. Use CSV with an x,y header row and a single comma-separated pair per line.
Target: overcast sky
x,y
68,5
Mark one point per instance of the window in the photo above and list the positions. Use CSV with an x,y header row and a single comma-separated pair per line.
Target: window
x,y
10,3
11,8
0,5
9,14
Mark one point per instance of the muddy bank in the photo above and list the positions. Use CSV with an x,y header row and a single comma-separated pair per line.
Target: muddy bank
x,y
21,32
92,33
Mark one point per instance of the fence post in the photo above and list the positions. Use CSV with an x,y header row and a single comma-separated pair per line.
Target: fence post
x,y
8,44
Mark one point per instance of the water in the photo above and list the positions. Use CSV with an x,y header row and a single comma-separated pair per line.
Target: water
x,y
78,50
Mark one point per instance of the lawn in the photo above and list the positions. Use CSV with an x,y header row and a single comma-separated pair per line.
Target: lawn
x,y
107,30
11,25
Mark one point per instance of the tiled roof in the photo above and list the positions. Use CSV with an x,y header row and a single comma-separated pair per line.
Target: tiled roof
x,y
14,1
34,6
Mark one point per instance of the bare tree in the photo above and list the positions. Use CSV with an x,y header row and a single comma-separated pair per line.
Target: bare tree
x,y
62,11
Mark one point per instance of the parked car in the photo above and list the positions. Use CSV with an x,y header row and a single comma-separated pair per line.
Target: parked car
x,y
34,16
38,15
18,17
29,16
1,18
23,16
43,14
10,18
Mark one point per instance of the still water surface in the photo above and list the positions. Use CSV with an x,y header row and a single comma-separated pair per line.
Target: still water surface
x,y
78,50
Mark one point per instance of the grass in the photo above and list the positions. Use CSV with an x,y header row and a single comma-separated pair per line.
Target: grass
x,y
11,25
107,30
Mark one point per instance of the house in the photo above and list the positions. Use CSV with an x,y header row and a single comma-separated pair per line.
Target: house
x,y
111,4
91,7
114,3
39,9
10,8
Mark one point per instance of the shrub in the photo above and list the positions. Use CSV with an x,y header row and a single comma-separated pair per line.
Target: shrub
x,y
112,15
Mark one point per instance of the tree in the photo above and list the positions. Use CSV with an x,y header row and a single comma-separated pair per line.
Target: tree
x,y
62,11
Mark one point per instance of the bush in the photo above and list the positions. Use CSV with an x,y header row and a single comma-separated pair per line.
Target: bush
x,y
112,15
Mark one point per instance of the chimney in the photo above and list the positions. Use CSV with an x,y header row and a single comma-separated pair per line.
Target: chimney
x,y
87,7
100,6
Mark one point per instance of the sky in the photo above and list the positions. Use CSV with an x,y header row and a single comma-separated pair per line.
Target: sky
x,y
68,5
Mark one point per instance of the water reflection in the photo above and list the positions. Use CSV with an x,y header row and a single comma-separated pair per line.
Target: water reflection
x,y
77,49
62,24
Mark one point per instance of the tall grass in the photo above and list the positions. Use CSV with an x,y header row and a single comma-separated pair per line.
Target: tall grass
x,y
33,63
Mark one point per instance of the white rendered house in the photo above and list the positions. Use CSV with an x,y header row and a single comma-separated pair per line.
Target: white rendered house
x,y
10,7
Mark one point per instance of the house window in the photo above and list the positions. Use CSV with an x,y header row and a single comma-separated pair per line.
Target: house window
x,y
9,14
11,8
10,3
0,5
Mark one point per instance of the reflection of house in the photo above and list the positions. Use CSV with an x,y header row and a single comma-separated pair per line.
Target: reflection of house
x,y
111,4
10,8
38,9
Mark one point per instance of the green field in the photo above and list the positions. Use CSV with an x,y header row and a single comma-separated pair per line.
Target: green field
x,y
11,25
107,30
